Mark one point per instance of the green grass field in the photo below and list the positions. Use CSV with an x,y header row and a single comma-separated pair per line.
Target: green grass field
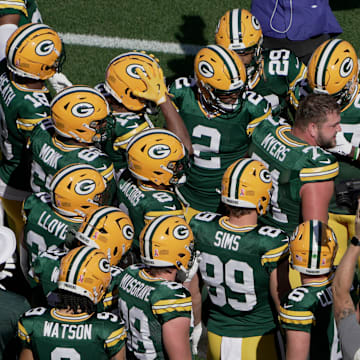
x,y
182,22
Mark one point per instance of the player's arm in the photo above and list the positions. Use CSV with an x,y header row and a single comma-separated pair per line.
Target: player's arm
x,y
342,301
175,123
176,338
156,91
297,345
120,355
315,198
279,282
26,354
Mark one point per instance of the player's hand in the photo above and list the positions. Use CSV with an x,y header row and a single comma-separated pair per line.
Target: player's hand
x,y
156,90
195,338
343,147
59,82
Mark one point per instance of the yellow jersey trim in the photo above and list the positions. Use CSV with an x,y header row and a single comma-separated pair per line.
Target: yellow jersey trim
x,y
320,173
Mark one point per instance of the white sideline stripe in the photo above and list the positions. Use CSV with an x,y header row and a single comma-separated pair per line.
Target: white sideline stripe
x,y
133,44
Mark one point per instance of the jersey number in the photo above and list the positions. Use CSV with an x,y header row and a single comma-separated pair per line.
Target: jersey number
x,y
138,331
200,131
222,275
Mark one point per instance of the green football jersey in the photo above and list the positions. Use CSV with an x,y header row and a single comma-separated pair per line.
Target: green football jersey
x,y
12,306
50,154
350,125
53,335
20,110
27,9
143,203
217,141
146,303
292,163
308,308
45,227
125,126
235,265
279,79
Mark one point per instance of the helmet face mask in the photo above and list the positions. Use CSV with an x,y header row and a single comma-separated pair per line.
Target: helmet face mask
x,y
240,31
158,156
108,229
333,69
313,248
167,241
85,271
221,78
35,51
121,79
77,189
80,113
247,184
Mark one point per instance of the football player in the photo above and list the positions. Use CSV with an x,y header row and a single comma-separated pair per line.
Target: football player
x,y
49,217
275,74
302,171
156,308
157,162
333,70
130,113
243,265
105,228
74,329
220,117
79,114
14,14
25,102
306,312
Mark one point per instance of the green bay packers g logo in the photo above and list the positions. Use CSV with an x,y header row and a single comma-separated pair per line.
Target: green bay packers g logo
x,y
346,67
159,151
205,69
83,109
104,265
44,48
131,70
265,176
85,187
128,232
181,232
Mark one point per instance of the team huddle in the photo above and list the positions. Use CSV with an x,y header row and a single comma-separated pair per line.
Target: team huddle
x,y
225,226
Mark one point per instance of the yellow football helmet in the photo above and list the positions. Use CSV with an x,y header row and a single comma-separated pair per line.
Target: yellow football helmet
x,y
220,74
333,69
76,189
79,112
240,31
35,51
313,248
157,155
121,78
85,271
108,229
247,183
167,241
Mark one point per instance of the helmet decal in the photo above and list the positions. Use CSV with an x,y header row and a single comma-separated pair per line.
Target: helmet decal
x,y
346,67
45,48
85,186
181,232
83,109
159,151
